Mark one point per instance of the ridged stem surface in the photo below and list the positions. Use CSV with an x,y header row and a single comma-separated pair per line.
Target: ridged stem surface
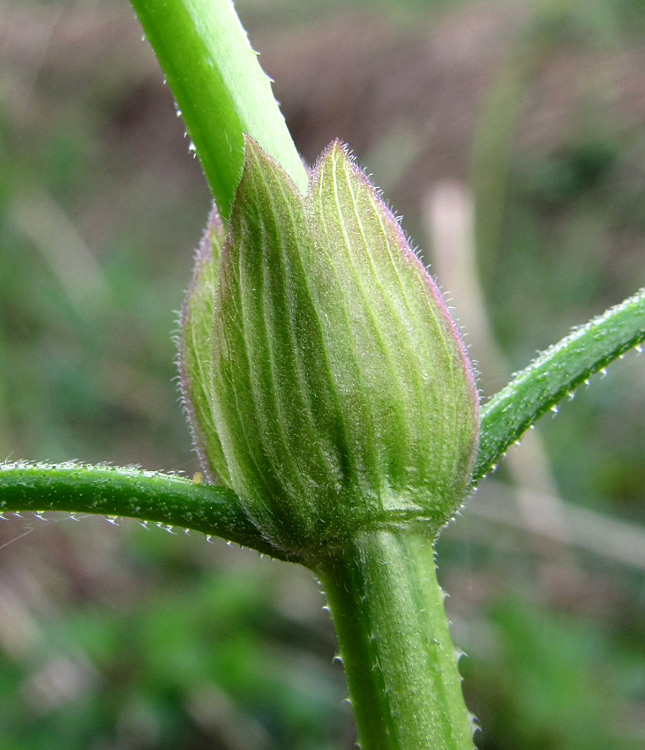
x,y
395,644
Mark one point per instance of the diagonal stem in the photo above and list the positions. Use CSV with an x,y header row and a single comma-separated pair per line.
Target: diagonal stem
x,y
220,89
555,374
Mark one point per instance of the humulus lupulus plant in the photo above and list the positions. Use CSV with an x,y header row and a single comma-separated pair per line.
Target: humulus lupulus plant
x,y
331,399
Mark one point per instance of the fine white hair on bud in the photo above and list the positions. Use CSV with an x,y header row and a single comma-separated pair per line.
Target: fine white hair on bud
x,y
324,378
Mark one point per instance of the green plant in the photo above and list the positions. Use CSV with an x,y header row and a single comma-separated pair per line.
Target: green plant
x,y
175,501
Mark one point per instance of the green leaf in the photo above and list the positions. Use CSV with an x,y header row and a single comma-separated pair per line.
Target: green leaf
x,y
555,374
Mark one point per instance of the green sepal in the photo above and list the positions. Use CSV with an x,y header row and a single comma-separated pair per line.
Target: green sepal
x,y
340,390
274,407
408,393
196,351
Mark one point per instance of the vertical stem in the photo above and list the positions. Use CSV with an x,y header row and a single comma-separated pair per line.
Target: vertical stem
x,y
392,629
220,89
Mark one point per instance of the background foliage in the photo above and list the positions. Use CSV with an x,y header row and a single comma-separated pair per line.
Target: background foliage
x,y
533,112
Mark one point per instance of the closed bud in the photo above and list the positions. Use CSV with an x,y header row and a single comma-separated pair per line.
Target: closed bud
x,y
324,378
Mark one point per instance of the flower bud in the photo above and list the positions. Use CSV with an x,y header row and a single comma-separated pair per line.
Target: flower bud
x,y
324,378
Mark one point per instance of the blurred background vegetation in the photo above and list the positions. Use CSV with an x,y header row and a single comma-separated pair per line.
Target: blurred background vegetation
x,y
511,136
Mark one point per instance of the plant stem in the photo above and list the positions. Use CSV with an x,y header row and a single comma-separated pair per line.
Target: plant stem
x,y
395,645
220,89
555,374
166,499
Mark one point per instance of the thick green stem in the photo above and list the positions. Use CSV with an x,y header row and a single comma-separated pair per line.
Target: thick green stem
x,y
220,89
394,641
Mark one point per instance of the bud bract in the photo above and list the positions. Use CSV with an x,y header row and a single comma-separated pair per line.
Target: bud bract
x,y
325,380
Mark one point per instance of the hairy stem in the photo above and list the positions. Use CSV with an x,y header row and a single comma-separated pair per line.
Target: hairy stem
x,y
394,642
165,499
220,89
555,374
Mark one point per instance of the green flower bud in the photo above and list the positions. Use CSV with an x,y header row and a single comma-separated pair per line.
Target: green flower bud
x,y
324,378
